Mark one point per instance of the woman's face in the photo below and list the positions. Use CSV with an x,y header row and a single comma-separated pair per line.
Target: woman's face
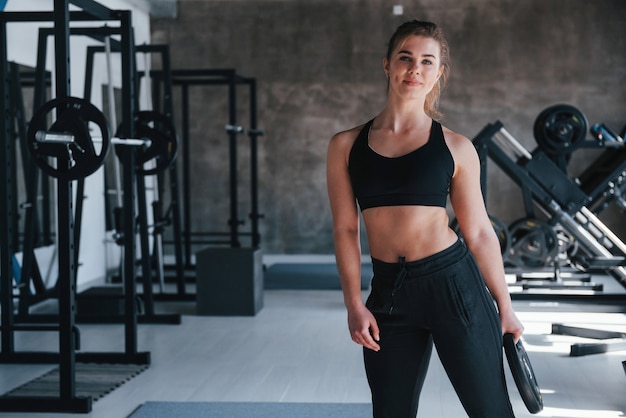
x,y
414,66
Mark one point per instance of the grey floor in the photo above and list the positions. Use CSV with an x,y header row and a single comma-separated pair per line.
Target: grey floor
x,y
297,349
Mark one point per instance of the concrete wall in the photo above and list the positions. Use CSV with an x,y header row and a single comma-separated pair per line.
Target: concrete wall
x,y
318,67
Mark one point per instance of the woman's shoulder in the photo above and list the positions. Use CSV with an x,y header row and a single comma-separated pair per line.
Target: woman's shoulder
x,y
456,141
345,139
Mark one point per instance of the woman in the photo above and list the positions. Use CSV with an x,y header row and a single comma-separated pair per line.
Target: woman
x,y
400,168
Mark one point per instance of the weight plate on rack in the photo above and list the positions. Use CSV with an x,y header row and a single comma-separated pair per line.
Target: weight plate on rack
x,y
159,130
534,243
76,154
559,129
500,228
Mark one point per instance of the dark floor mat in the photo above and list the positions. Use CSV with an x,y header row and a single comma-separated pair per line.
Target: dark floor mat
x,y
93,380
309,276
251,410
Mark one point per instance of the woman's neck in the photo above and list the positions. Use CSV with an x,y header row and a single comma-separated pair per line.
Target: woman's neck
x,y
398,117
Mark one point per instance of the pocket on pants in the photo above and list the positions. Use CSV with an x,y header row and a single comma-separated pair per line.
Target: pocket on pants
x,y
380,299
462,297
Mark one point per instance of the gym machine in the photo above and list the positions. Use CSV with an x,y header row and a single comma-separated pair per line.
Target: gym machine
x,y
541,175
36,228
159,157
545,184
185,79
76,157
103,304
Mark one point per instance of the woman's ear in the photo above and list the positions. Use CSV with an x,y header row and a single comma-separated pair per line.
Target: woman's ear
x,y
386,66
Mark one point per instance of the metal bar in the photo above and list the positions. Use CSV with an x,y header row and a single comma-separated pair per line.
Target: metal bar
x,y
99,33
97,10
254,134
584,349
129,183
604,229
518,148
597,334
146,268
168,108
66,281
15,111
62,47
45,16
6,209
40,95
232,152
186,174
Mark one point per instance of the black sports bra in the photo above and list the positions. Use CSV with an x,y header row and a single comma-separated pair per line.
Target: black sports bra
x,y
421,177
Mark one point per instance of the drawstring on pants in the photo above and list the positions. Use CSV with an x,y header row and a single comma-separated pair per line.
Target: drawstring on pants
x,y
398,281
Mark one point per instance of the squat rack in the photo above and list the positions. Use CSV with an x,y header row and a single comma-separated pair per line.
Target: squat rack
x,y
186,78
67,401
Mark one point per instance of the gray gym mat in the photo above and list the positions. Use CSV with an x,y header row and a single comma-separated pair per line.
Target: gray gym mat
x,y
95,380
309,276
251,410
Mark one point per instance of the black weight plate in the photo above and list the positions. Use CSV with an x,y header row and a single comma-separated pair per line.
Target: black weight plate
x,y
534,243
559,128
163,147
523,374
75,116
499,227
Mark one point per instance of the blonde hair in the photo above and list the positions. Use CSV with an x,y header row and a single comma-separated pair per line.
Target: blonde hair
x,y
428,30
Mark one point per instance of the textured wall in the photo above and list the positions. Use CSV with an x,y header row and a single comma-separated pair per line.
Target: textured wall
x,y
318,68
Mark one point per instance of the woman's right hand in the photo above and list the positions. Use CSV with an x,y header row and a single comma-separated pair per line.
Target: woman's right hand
x,y
363,327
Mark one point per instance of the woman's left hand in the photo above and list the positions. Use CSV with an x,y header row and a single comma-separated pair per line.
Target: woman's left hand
x,y
511,324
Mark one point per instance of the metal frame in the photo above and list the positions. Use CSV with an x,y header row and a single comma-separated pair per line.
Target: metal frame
x,y
186,78
613,341
67,401
559,197
148,297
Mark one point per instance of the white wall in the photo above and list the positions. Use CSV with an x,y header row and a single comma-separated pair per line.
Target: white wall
x,y
96,255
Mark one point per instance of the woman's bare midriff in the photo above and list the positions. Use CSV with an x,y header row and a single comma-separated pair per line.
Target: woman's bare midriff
x,y
412,232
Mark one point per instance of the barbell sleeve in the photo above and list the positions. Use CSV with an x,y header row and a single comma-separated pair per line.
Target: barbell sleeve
x,y
66,138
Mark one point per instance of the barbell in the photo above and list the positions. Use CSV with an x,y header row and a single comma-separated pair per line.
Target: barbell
x,y
70,142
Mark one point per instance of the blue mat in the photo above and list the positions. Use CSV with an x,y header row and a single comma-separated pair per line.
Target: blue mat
x,y
251,410
309,276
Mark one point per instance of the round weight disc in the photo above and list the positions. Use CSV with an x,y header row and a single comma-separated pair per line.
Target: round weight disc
x,y
159,130
503,233
500,228
534,243
559,128
523,374
75,118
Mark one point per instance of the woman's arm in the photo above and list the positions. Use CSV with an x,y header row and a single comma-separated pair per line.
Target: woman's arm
x,y
361,323
478,233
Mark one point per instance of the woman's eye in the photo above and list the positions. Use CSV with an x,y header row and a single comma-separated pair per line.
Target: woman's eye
x,y
405,58
427,62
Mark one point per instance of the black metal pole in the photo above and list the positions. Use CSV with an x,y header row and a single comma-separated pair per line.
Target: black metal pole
x,y
41,83
186,174
128,114
144,244
232,152
6,208
168,110
254,166
65,233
